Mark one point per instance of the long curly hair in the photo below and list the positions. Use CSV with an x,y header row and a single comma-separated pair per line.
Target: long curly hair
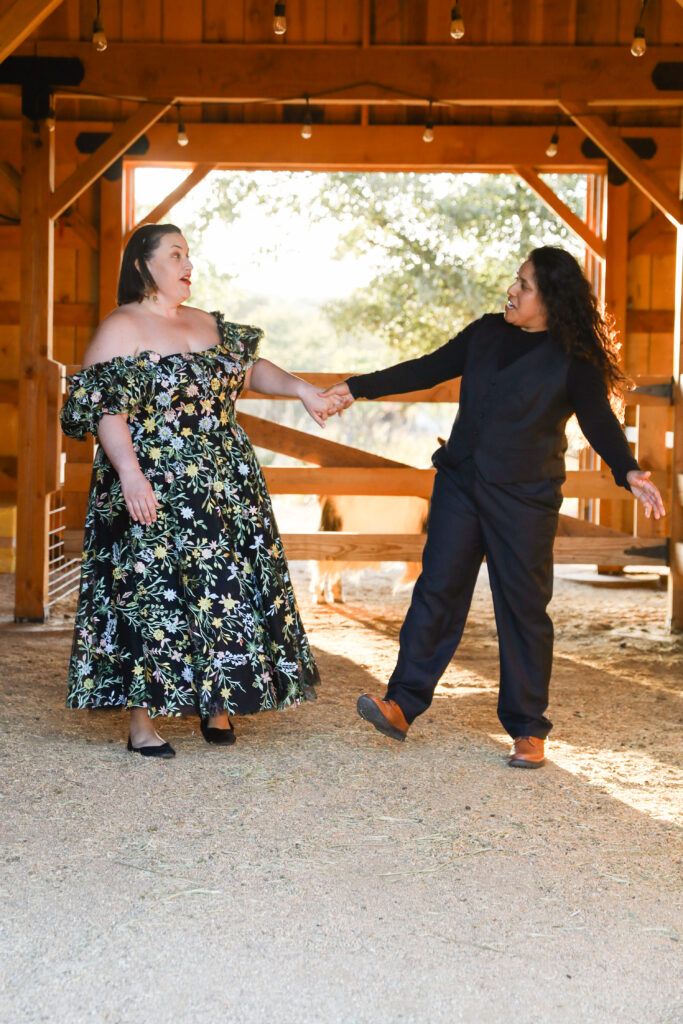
x,y
575,318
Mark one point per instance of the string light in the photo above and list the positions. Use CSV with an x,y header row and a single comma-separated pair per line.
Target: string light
x,y
639,43
551,149
307,126
99,39
280,19
457,24
182,137
428,133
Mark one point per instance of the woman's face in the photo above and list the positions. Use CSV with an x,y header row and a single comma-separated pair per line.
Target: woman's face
x,y
171,268
524,307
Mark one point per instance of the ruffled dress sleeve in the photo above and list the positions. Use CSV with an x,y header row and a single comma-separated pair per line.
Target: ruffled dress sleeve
x,y
117,386
241,340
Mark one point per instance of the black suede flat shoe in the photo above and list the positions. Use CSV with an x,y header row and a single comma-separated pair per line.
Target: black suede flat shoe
x,y
221,737
165,750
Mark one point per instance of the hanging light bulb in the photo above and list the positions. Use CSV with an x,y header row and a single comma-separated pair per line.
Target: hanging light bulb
x,y
457,24
181,137
551,149
428,133
99,39
307,126
639,43
280,19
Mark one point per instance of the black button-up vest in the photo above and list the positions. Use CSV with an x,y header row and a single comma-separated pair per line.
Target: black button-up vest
x,y
511,421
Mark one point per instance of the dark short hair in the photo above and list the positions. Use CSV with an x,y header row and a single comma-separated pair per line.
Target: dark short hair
x,y
135,278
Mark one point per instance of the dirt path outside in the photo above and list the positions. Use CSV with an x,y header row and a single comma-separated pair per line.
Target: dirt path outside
x,y
317,872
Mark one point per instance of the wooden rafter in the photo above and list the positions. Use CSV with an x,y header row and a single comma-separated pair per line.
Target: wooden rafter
x,y
196,175
566,215
117,144
611,143
19,20
487,75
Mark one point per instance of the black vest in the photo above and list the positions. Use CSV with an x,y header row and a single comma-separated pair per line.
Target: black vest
x,y
511,421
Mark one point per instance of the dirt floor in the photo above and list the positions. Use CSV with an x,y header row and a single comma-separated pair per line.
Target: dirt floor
x,y
317,872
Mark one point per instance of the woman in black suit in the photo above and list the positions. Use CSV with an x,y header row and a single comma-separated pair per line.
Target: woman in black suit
x,y
497,490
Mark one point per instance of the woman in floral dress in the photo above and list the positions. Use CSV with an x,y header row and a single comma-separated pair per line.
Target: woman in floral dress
x,y
186,605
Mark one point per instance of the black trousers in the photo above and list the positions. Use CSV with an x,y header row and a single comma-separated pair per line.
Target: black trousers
x,y
514,526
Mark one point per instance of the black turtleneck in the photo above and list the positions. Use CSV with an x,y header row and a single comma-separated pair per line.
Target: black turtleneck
x,y
586,387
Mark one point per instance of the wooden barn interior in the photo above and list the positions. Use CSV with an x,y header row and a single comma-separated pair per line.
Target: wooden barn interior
x,y
91,90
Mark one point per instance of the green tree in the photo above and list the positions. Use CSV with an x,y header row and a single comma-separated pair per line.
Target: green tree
x,y
445,247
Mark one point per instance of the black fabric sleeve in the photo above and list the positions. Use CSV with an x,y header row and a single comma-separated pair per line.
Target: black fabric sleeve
x,y
588,396
442,364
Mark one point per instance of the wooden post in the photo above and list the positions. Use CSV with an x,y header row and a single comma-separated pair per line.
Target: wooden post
x,y
675,611
35,468
111,239
616,514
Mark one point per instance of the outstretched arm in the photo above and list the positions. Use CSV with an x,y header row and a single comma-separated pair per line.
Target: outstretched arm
x,y
270,379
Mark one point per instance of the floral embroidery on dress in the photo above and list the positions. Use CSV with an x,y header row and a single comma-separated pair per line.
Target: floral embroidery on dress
x,y
195,613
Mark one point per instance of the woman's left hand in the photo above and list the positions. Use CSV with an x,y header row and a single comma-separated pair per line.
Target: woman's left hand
x,y
644,490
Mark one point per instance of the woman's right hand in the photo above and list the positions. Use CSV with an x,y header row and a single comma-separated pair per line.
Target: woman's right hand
x,y
139,496
341,393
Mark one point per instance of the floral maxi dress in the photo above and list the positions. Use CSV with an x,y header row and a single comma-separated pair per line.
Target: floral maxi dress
x,y
195,613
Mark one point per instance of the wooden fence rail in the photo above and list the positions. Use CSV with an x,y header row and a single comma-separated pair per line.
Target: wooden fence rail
x,y
338,469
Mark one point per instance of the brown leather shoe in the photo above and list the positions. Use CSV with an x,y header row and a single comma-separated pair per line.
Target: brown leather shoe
x,y
527,752
385,715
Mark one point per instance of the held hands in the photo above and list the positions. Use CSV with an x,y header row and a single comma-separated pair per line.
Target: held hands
x,y
322,404
139,496
645,491
340,397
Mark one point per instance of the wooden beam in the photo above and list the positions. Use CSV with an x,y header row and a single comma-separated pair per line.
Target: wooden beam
x,y
407,547
615,296
20,20
580,483
407,75
111,242
373,147
559,207
675,601
349,547
123,136
656,237
35,459
196,175
65,314
482,147
611,143
650,321
65,238
309,447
